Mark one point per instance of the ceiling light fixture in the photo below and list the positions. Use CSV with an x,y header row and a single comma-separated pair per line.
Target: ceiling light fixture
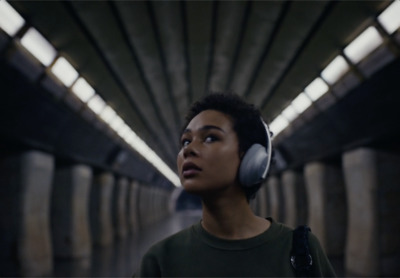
x,y
108,114
116,122
122,131
301,103
390,17
82,89
38,46
316,89
278,124
64,71
363,45
141,147
335,70
10,20
290,113
97,104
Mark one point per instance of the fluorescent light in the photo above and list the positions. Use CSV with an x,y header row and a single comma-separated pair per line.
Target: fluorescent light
x,y
129,136
38,46
145,151
335,70
107,114
316,89
363,45
290,113
141,147
82,89
96,103
279,124
10,19
301,102
390,17
116,123
123,130
64,71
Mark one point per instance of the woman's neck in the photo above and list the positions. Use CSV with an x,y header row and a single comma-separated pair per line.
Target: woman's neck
x,y
232,218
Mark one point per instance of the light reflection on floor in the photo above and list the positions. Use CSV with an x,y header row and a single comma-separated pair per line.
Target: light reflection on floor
x,y
122,258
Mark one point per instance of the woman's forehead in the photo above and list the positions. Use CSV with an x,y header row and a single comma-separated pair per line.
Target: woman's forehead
x,y
211,117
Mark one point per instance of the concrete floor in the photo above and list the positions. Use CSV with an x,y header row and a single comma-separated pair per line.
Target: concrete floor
x,y
123,257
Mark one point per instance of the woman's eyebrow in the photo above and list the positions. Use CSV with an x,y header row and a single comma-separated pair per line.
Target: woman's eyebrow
x,y
206,127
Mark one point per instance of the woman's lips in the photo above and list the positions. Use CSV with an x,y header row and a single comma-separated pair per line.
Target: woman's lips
x,y
190,173
190,169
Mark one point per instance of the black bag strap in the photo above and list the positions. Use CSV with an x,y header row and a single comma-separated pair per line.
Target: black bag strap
x,y
300,257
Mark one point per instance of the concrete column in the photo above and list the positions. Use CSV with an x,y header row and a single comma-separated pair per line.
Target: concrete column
x,y
294,194
24,209
263,204
327,211
373,186
259,204
174,198
146,215
254,205
133,218
274,198
154,203
160,203
151,208
120,208
100,209
289,194
70,212
143,216
166,200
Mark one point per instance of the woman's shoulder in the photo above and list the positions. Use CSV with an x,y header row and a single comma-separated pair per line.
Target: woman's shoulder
x,y
173,241
280,229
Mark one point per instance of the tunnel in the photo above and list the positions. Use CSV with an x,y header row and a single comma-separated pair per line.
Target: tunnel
x,y
93,100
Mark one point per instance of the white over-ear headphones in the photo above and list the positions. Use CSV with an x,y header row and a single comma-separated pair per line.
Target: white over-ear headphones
x,y
256,162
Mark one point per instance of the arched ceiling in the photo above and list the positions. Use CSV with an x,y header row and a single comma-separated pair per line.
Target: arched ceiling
x,y
149,60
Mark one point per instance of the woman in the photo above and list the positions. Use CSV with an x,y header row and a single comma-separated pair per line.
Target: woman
x,y
230,240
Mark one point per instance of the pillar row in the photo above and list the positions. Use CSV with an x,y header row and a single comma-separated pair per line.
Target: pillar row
x,y
133,207
260,205
263,201
143,205
373,186
70,212
327,207
274,198
153,204
294,194
24,206
120,207
101,209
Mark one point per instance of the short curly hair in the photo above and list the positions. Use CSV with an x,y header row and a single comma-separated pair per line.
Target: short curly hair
x,y
246,119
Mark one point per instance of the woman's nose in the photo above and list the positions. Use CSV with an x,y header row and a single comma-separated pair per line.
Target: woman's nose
x,y
190,150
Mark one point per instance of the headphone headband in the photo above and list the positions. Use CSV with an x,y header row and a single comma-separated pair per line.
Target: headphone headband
x,y
268,148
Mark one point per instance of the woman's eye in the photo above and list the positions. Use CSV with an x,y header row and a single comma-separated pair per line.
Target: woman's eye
x,y
210,138
185,142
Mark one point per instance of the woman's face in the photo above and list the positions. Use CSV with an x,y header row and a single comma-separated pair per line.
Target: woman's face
x,y
209,156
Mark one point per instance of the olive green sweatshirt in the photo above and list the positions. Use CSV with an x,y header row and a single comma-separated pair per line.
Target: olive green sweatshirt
x,y
194,252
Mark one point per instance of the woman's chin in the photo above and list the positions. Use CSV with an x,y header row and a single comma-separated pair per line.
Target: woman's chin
x,y
192,187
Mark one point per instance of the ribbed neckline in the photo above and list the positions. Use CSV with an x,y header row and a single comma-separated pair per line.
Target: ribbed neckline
x,y
240,244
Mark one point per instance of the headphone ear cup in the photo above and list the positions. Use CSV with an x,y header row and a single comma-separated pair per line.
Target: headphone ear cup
x,y
253,166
